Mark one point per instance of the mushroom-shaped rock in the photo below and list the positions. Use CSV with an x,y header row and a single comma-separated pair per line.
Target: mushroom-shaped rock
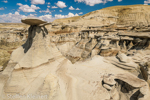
x,y
33,21
36,50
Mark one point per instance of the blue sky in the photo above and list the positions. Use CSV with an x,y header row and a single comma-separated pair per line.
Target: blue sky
x,y
49,10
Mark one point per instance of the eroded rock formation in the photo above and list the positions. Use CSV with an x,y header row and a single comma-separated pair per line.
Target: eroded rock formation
x,y
100,62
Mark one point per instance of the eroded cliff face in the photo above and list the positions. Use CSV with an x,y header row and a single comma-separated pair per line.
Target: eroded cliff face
x,y
106,32
120,34
13,32
108,61
92,42
134,16
12,35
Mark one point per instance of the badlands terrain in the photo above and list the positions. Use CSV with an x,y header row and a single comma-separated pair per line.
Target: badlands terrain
x,y
102,55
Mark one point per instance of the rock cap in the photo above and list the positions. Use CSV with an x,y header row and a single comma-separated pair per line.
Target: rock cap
x,y
33,21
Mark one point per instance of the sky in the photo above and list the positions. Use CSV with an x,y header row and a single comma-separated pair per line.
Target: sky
x,y
12,11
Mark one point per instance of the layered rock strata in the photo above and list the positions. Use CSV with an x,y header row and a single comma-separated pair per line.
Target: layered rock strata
x,y
38,70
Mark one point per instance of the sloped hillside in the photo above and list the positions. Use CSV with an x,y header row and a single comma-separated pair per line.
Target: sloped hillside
x,y
116,16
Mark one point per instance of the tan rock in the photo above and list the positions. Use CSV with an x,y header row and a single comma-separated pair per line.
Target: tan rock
x,y
148,44
108,52
1,68
133,81
126,38
134,34
32,21
130,45
123,58
107,87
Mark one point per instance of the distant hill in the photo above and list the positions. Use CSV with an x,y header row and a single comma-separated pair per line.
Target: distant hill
x,y
67,20
132,15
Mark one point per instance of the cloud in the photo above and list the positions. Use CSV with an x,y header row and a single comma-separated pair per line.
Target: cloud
x,y
71,8
19,4
48,6
105,1
48,3
92,2
50,18
5,1
1,8
45,11
61,4
46,17
31,15
37,1
65,16
146,2
16,17
17,13
81,13
76,14
26,8
78,9
54,7
119,0
60,10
